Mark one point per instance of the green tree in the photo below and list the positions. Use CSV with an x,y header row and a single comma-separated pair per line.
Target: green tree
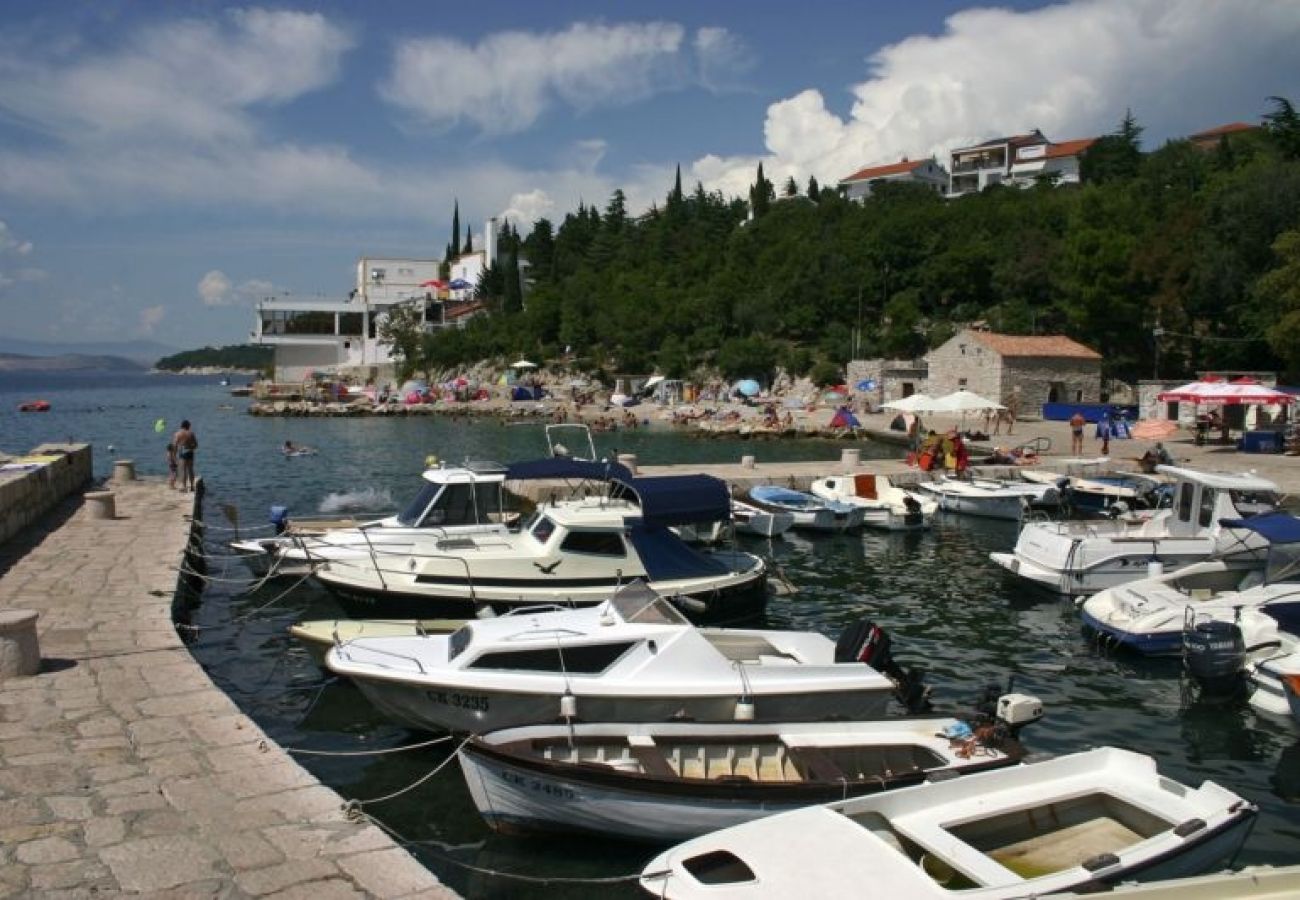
x,y
1278,291
454,250
814,191
761,194
1114,156
1283,126
791,188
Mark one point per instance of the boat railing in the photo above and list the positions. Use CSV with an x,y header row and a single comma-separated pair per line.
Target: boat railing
x,y
382,652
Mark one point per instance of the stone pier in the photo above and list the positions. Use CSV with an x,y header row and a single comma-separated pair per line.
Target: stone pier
x,y
123,769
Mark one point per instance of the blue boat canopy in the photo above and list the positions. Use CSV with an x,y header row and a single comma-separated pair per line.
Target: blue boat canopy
x,y
563,467
1275,527
680,499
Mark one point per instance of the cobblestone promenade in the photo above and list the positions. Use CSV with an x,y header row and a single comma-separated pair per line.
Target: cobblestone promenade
x,y
123,770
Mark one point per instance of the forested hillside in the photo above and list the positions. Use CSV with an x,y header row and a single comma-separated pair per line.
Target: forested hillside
x,y
1184,258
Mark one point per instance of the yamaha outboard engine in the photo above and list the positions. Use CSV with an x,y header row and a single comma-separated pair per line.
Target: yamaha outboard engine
x,y
1214,653
1001,713
866,642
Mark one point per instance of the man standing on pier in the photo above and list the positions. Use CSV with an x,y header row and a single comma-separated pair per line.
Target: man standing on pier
x,y
186,443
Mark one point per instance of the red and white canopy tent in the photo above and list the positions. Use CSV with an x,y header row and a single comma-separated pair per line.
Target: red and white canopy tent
x,y
1228,393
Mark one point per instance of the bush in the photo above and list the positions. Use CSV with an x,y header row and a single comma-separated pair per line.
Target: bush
x,y
826,374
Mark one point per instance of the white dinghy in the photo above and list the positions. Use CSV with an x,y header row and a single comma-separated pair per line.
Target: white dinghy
x,y
670,781
986,499
1079,558
884,504
633,658
749,519
1101,816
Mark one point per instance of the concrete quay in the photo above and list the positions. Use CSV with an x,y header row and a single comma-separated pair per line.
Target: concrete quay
x,y
123,770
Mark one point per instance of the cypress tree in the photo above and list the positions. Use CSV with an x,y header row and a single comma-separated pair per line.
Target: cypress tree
x,y
469,241
455,230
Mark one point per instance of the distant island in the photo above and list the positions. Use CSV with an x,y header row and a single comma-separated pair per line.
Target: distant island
x,y
67,362
251,358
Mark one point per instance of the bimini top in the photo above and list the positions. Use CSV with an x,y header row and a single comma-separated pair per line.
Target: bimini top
x,y
563,467
1221,480
1274,527
669,500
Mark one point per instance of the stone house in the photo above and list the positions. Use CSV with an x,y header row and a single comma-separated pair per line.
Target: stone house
x,y
1024,371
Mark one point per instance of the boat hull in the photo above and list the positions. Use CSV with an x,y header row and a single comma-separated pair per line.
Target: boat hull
x,y
477,711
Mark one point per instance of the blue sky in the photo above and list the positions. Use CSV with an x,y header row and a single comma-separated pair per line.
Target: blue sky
x,y
164,165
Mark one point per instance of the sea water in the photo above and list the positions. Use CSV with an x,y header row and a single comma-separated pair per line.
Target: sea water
x,y
946,605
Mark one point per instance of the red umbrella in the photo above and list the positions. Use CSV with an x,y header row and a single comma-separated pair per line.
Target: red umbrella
x,y
1227,394
433,283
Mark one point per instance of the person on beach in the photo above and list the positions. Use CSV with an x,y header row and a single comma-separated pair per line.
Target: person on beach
x,y
186,444
1103,433
1076,434
172,466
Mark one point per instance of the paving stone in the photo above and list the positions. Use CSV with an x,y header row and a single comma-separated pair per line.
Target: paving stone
x,y
260,882
387,873
104,831
156,863
79,808
177,765
89,875
46,850
248,850
330,889
151,731
117,806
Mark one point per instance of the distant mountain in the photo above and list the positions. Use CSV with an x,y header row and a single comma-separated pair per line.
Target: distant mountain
x,y
146,352
68,362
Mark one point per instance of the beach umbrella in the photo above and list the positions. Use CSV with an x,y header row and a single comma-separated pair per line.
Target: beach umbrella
x,y
910,404
523,364
1154,429
434,283
866,384
964,401
459,284
748,386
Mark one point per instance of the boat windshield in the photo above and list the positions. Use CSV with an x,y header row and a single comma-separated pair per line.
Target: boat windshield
x,y
1249,503
414,511
459,641
638,603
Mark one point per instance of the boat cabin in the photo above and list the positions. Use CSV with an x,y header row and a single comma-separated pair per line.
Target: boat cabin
x,y
1202,499
473,494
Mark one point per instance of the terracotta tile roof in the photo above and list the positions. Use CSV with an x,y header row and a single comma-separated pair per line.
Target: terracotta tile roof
x,y
1068,148
1015,140
898,168
456,311
1230,128
1034,345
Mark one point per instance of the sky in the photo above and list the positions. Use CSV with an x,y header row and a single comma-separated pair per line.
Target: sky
x,y
165,165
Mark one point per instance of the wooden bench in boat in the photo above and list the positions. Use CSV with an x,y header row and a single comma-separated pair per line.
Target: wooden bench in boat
x,y
1065,847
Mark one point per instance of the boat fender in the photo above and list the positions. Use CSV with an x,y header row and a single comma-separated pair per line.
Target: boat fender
x,y
568,706
744,710
1155,568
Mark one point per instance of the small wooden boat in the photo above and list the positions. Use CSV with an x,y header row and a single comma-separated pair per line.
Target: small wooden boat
x,y
670,781
1250,883
34,406
809,512
318,635
1087,819
884,504
749,519
987,500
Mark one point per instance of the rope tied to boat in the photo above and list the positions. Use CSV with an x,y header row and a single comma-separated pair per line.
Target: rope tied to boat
x,y
380,752
355,807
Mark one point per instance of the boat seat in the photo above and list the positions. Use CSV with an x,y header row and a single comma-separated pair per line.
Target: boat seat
x,y
652,761
818,765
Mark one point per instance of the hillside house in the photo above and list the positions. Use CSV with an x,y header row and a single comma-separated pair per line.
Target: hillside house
x,y
1021,370
860,184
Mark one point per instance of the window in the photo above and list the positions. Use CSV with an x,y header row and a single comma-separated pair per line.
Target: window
x,y
543,529
459,641
1185,492
414,512
590,659
1249,503
1206,517
600,543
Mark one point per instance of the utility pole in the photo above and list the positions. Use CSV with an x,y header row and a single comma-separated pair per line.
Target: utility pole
x,y
1156,333
857,328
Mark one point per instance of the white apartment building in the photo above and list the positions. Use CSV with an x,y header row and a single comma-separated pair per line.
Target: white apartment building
x,y
928,172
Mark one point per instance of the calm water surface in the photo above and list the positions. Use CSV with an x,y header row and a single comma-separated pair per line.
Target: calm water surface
x,y
940,597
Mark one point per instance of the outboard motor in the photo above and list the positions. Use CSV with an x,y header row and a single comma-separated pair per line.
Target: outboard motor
x,y
866,642
1002,714
1214,653
280,518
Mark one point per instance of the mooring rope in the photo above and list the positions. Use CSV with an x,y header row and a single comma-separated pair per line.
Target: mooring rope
x,y
355,807
381,752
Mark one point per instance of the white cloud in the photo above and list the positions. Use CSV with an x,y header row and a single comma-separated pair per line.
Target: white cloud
x,y
151,317
1071,69
524,209
189,80
214,288
504,83
722,58
11,243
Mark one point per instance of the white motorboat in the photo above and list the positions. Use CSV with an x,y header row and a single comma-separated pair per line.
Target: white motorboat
x,y
1150,615
1077,558
1093,818
318,635
749,519
884,504
989,500
670,781
633,658
1108,494
567,552
452,501
809,512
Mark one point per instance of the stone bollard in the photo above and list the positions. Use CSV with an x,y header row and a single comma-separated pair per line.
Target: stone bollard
x,y
850,458
20,652
124,470
629,461
747,462
103,504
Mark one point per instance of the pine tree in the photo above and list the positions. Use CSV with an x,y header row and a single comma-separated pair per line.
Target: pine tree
x,y
455,230
814,190
791,187
760,194
469,241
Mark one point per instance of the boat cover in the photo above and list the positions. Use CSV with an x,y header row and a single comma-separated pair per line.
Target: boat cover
x,y
1275,527
667,558
680,499
775,494
563,467
1287,615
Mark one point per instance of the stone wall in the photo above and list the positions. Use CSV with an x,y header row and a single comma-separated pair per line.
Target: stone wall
x,y
1025,381
890,375
28,495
